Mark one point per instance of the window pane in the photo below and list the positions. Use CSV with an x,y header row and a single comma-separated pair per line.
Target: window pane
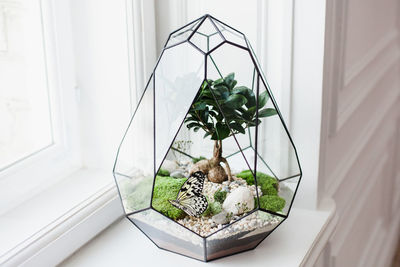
x,y
24,98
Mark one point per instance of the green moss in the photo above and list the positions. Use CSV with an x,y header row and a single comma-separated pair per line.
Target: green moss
x,y
139,195
268,184
272,203
195,160
212,209
246,175
163,172
167,188
220,196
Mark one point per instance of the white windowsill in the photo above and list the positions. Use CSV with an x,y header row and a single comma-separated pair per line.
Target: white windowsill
x,y
49,227
297,242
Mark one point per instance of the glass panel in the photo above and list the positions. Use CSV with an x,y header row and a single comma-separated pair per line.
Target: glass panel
x,y
235,67
231,34
207,36
134,168
183,34
169,235
178,77
242,235
287,190
274,145
24,99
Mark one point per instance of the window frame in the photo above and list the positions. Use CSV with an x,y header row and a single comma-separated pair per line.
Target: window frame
x,y
62,156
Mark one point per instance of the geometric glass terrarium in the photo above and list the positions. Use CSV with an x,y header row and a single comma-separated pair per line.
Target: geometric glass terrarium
x,y
207,167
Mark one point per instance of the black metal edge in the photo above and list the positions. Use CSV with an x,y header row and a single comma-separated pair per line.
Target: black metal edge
x,y
266,164
137,211
226,25
183,153
175,44
290,177
230,224
237,45
256,139
284,219
270,232
154,139
197,26
196,47
274,213
215,26
140,229
180,225
193,21
215,48
234,153
158,245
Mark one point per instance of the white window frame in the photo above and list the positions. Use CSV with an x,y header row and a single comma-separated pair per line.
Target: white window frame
x,y
57,160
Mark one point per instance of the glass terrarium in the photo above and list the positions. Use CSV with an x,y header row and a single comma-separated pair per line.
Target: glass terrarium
x,y
207,167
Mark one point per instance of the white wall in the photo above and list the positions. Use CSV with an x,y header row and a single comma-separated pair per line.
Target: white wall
x,y
360,139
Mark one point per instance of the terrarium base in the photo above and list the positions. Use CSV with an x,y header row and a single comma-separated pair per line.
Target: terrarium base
x,y
216,247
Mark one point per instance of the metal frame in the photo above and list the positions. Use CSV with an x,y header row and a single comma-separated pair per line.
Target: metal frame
x,y
260,78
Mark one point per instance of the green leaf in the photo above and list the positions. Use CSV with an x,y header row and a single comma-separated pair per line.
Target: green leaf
x,y
204,115
193,124
267,112
206,134
253,123
221,132
222,91
248,93
229,80
238,127
235,101
195,129
199,106
262,99
218,82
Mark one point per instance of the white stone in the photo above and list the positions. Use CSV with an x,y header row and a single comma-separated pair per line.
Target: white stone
x,y
221,218
170,165
240,200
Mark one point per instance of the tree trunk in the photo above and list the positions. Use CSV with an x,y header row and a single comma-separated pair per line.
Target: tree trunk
x,y
212,167
217,158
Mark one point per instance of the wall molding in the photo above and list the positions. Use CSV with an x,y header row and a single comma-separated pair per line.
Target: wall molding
x,y
372,248
370,57
387,248
362,81
357,208
336,178
334,61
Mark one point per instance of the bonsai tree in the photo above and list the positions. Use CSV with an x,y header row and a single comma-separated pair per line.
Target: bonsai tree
x,y
238,106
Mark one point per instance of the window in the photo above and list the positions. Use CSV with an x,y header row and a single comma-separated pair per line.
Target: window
x,y
25,100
